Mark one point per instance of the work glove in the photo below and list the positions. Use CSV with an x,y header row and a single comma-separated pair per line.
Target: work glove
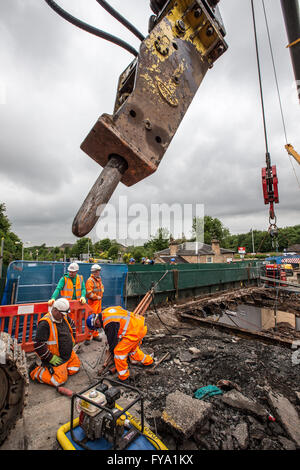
x,y
55,360
51,302
82,300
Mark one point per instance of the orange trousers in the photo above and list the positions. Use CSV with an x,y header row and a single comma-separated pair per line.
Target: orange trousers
x,y
41,374
132,349
92,334
96,306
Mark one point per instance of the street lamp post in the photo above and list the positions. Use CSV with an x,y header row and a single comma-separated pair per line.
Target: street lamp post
x,y
252,242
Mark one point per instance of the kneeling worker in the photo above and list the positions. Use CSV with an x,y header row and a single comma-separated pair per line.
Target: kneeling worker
x,y
54,342
124,332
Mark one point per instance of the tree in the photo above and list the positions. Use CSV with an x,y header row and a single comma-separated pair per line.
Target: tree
x,y
113,252
83,245
213,228
159,242
12,243
102,245
4,222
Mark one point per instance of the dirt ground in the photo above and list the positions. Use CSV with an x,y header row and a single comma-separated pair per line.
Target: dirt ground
x,y
254,367
198,357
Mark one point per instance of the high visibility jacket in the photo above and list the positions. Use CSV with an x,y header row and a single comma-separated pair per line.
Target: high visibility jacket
x,y
52,342
94,290
131,327
67,290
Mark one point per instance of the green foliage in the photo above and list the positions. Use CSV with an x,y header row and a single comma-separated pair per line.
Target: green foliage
x,y
213,228
262,241
157,243
138,253
4,222
103,245
83,245
126,257
113,252
12,248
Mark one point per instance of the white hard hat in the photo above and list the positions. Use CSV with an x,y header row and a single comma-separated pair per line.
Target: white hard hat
x,y
96,267
73,267
62,305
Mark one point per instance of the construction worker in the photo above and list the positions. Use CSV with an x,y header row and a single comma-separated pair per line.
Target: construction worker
x,y
71,286
94,293
124,332
54,342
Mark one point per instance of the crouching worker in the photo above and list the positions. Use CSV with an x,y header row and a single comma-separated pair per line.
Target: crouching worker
x,y
54,342
124,332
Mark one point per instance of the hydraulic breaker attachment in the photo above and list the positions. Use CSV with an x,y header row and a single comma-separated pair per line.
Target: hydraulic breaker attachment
x,y
153,95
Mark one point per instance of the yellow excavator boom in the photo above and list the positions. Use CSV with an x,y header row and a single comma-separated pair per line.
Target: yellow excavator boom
x,y
290,149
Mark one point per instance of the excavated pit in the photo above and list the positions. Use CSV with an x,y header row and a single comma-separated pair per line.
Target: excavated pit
x,y
263,373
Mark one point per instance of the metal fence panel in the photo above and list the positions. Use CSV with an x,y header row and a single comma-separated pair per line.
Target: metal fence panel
x,y
29,282
187,276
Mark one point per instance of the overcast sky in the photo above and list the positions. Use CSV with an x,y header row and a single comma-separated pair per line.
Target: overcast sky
x,y
56,80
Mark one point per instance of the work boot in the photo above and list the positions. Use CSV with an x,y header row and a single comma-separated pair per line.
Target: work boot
x,y
128,381
31,368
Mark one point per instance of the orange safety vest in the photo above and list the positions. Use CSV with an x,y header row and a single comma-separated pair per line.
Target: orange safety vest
x,y
67,291
131,326
94,288
52,342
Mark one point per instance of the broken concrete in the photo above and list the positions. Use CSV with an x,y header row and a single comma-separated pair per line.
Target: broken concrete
x,y
286,443
237,400
240,433
287,414
184,414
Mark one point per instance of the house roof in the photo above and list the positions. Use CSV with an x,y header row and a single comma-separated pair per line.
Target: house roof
x,y
295,248
178,259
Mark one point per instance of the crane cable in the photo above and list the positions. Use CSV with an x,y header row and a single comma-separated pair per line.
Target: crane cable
x,y
278,91
260,83
91,29
273,230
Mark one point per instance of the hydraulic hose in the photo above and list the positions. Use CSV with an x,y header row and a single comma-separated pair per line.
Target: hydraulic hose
x,y
121,19
91,29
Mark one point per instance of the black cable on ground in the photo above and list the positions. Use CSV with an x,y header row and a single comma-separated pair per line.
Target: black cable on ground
x,y
91,29
121,19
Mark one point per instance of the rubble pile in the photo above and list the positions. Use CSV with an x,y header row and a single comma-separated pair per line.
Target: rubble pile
x,y
258,406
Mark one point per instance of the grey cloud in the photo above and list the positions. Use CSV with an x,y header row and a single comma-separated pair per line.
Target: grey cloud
x,y
60,79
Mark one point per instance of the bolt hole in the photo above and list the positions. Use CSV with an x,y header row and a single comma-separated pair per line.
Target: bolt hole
x,y
158,139
132,113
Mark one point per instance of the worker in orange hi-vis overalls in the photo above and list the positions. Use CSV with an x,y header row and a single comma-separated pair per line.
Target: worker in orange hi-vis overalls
x,y
54,343
124,331
94,293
